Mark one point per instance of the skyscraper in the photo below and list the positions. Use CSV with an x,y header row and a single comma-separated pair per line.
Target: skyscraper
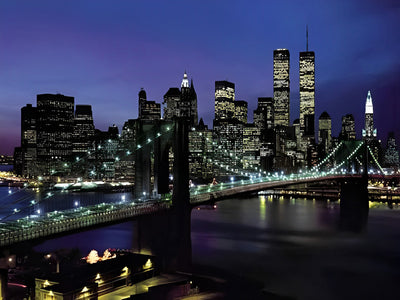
x,y
224,100
307,92
325,132
28,140
55,125
281,87
348,132
181,103
369,132
241,111
83,130
148,110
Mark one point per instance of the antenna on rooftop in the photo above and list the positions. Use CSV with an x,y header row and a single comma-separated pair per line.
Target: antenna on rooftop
x,y
307,36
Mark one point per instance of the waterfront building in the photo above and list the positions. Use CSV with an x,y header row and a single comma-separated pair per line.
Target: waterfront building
x,y
83,130
55,126
348,132
281,87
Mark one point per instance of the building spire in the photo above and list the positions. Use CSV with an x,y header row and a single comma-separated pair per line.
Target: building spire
x,y
369,109
307,37
185,81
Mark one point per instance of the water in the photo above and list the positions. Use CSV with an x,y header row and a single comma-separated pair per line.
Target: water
x,y
292,247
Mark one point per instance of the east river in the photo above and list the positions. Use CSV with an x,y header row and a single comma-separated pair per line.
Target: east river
x,y
291,247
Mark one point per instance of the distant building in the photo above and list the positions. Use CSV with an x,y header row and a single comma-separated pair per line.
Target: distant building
x,y
348,132
103,154
251,147
241,111
224,100
391,157
369,132
201,153
325,132
28,141
281,87
125,164
181,103
264,120
148,110
55,127
307,92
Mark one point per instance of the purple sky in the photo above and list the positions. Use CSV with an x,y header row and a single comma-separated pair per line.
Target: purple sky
x,y
103,52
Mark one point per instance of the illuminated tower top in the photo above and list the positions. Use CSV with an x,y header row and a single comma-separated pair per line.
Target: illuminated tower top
x,y
185,81
369,109
369,132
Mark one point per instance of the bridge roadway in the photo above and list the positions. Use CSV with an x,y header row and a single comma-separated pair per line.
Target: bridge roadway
x,y
68,221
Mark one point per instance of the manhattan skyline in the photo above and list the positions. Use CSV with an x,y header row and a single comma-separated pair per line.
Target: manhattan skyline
x,y
103,52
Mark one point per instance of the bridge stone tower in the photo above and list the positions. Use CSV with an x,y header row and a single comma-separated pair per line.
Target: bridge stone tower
x,y
167,235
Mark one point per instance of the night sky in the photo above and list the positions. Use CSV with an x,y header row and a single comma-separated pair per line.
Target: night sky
x,y
102,53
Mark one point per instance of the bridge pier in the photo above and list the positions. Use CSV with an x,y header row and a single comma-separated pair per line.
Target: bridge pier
x,y
167,234
354,204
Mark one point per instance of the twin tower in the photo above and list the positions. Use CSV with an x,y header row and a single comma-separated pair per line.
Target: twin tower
x,y
282,90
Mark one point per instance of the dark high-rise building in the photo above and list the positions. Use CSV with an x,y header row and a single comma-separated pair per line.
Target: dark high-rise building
x,y
83,131
251,147
307,92
391,157
224,100
264,120
188,103
325,132
181,103
348,132
281,87
28,140
55,126
369,132
148,110
171,103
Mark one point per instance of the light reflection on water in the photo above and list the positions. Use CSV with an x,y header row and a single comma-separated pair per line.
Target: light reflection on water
x,y
296,247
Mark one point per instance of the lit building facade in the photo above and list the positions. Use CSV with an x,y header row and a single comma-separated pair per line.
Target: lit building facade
x,y
148,110
201,153
281,87
241,111
369,132
251,147
224,100
307,92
